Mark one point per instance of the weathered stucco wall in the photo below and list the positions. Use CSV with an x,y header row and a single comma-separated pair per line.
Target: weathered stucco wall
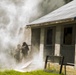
x,y
57,40
35,40
27,36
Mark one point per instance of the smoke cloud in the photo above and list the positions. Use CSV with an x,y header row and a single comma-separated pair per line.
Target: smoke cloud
x,y
14,15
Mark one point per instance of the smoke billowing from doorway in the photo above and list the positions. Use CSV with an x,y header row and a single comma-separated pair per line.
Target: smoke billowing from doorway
x,y
14,15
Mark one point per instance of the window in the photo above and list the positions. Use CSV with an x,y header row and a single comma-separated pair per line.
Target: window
x,y
49,35
67,40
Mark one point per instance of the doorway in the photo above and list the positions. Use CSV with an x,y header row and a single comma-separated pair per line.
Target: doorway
x,y
49,45
68,44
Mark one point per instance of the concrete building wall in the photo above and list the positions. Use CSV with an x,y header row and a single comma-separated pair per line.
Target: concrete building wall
x,y
42,34
57,40
27,37
35,40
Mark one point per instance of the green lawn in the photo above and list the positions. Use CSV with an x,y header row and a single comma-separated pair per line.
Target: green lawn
x,y
12,72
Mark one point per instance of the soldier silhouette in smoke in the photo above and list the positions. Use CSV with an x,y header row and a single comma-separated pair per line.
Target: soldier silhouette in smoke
x,y
25,50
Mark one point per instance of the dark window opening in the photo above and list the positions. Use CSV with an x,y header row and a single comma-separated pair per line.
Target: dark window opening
x,y
49,36
67,36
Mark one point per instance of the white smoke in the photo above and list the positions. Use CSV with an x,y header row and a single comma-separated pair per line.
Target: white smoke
x,y
14,15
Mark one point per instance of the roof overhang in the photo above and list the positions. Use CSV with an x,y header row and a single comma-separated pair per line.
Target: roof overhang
x,y
57,22
63,15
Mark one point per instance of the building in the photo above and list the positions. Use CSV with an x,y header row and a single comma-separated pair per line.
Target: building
x,y
55,33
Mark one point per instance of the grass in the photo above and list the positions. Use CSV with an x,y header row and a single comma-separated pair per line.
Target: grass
x,y
38,72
